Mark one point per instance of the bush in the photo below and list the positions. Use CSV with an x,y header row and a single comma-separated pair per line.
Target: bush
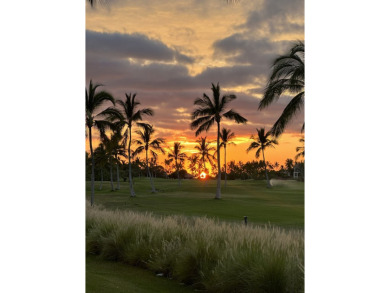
x,y
207,254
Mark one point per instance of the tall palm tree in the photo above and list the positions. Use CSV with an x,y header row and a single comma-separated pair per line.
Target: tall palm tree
x,y
145,143
129,116
179,157
261,142
300,150
204,151
210,112
93,101
288,76
226,138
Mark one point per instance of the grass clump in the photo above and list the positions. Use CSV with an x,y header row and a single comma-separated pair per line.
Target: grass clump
x,y
206,254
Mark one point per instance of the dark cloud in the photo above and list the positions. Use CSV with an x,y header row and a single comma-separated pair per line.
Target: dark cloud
x,y
132,46
157,76
277,17
240,48
257,42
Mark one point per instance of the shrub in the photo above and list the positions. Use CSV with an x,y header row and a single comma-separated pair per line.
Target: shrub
x,y
207,254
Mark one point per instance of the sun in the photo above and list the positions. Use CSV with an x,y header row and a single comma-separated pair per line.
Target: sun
x,y
202,175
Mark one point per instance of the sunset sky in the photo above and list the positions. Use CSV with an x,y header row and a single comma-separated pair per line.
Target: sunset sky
x,y
169,53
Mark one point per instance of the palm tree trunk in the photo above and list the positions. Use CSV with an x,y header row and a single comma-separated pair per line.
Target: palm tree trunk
x,y
265,168
148,172
177,170
132,193
111,179
218,194
118,185
101,179
225,167
93,167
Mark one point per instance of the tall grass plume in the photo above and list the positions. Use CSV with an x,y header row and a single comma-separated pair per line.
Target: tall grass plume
x,y
206,254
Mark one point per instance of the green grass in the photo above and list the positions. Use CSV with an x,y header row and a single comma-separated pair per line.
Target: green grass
x,y
281,205
107,277
227,255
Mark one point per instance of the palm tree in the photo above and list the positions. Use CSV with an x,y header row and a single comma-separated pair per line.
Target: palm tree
x,y
261,142
167,163
209,112
179,157
289,164
118,149
288,76
114,149
153,164
226,138
93,101
204,151
101,161
129,116
194,164
146,143
300,150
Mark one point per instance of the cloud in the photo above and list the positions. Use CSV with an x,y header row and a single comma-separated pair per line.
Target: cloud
x,y
134,45
159,73
241,48
168,87
277,17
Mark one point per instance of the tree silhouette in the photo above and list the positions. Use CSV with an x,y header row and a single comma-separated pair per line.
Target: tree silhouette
x,y
179,157
289,164
204,151
128,116
210,112
194,164
101,157
226,138
288,76
262,142
93,101
300,150
145,143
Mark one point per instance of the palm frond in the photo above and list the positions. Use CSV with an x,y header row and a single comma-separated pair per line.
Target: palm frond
x,y
291,109
226,100
252,146
138,150
194,124
288,75
205,126
204,102
232,115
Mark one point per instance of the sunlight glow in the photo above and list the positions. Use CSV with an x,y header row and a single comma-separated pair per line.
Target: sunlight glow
x,y
202,175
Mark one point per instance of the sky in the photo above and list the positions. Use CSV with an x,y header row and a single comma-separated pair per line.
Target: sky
x,y
169,53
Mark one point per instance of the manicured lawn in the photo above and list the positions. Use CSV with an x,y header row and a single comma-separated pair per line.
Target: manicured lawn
x,y
281,205
107,277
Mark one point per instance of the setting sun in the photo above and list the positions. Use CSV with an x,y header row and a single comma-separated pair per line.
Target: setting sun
x,y
202,175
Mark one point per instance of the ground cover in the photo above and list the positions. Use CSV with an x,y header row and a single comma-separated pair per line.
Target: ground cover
x,y
104,276
281,205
